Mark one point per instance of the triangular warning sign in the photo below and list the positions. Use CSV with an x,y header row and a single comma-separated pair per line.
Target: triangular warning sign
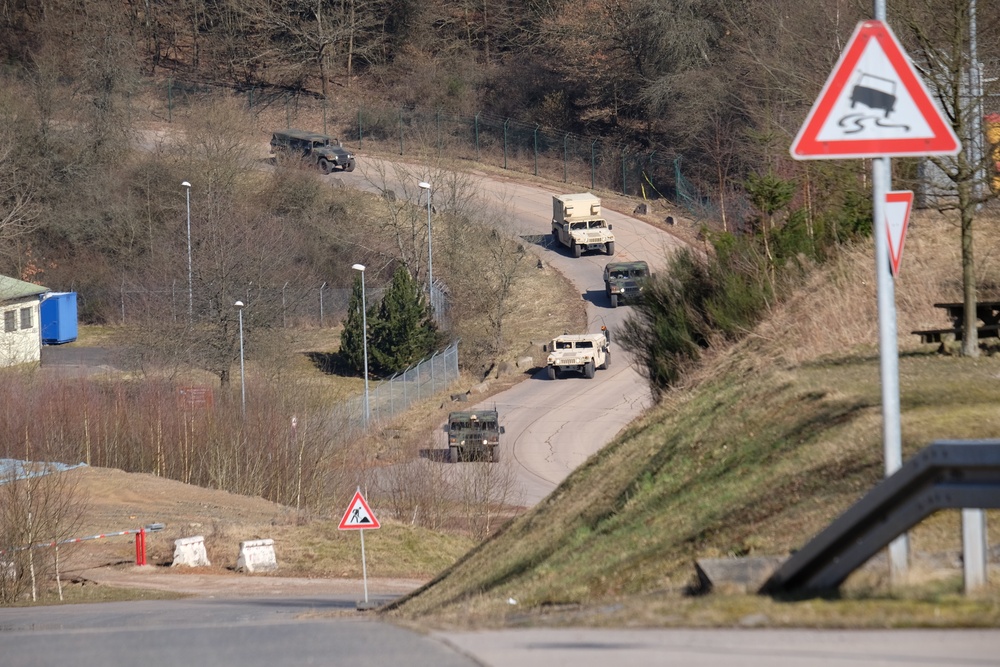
x,y
897,217
358,515
873,105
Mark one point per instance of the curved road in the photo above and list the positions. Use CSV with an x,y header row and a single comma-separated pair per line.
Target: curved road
x,y
554,426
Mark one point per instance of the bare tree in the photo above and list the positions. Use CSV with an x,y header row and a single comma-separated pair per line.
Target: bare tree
x,y
40,508
943,32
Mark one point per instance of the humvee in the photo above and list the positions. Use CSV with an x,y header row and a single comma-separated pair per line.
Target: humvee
x,y
579,353
623,280
474,436
324,152
577,223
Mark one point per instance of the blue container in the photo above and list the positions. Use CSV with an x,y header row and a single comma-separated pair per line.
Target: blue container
x,y
58,315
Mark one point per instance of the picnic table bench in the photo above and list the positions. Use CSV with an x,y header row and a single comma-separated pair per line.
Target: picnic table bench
x,y
987,312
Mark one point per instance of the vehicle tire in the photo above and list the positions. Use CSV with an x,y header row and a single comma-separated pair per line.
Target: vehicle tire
x,y
611,248
349,166
453,453
614,300
494,454
551,371
588,369
607,361
577,251
324,166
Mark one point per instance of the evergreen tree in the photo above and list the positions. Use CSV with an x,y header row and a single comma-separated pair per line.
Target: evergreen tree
x,y
352,340
402,332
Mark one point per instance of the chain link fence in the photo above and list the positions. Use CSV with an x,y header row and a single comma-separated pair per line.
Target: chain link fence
x,y
393,396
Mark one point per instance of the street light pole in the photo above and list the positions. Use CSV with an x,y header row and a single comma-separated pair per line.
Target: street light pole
x,y
187,188
243,383
424,185
364,334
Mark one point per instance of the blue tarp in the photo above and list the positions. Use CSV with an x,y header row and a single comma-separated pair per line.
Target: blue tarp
x,y
12,470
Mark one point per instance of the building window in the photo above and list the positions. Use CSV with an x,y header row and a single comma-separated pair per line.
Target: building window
x,y
10,321
26,318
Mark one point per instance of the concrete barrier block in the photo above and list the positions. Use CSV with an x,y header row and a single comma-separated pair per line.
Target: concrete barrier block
x,y
190,551
525,363
743,575
257,556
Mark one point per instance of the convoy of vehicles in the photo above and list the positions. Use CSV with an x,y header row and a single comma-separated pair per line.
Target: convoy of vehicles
x,y
577,223
319,149
474,436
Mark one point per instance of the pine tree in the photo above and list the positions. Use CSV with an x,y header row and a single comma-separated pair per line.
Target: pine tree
x,y
352,337
402,332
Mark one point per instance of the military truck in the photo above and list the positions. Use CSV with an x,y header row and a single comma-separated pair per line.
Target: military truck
x,y
578,353
577,223
623,281
474,436
321,150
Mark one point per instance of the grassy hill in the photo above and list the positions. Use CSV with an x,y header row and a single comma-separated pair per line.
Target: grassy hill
x,y
773,439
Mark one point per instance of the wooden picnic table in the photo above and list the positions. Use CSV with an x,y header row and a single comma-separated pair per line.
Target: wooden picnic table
x,y
987,313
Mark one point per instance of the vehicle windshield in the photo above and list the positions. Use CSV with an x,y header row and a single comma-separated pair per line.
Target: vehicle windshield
x,y
585,344
578,225
596,224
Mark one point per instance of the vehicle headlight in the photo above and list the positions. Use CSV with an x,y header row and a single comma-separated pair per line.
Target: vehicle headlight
x,y
484,442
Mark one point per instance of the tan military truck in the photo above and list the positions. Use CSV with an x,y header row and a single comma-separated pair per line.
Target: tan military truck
x,y
578,353
577,223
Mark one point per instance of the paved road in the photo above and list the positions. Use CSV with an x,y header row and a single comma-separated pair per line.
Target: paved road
x,y
554,426
274,632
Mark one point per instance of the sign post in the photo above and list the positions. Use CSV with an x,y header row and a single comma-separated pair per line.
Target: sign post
x,y
358,517
874,105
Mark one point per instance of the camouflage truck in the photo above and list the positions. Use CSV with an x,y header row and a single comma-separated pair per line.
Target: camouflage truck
x,y
578,224
474,436
321,150
578,353
623,281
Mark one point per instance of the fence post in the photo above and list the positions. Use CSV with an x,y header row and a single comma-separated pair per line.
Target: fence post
x,y
565,157
536,149
505,143
477,136
321,288
593,162
623,170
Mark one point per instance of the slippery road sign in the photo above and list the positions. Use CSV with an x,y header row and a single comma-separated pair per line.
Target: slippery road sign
x,y
873,105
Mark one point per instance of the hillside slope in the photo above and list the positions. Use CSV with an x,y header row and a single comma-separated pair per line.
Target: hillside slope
x,y
775,438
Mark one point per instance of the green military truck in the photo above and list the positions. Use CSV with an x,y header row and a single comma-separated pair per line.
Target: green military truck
x,y
474,436
319,149
623,281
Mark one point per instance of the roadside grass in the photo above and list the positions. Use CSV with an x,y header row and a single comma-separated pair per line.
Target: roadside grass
x,y
770,440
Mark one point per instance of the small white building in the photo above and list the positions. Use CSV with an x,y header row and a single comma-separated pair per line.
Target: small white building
x,y
21,336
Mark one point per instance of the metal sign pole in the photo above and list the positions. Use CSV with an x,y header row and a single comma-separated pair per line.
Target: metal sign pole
x,y
364,566
888,350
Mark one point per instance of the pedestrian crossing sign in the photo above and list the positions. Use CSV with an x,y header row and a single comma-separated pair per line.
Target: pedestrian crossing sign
x,y
358,515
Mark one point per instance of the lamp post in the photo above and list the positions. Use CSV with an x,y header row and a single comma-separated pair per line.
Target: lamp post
x,y
187,188
364,335
424,185
243,383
